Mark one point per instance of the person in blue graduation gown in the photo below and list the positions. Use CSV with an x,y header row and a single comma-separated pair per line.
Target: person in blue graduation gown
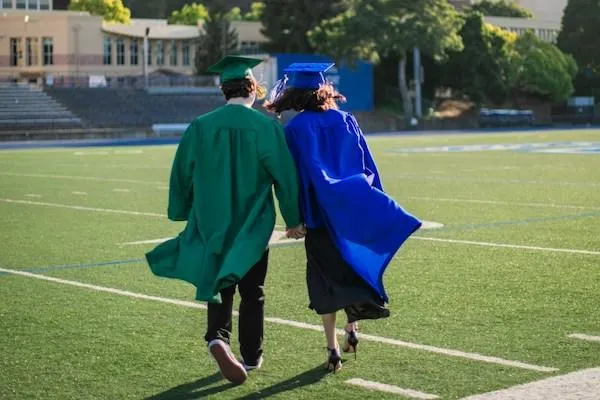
x,y
354,228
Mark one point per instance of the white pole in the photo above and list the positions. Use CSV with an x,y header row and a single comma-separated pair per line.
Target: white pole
x,y
145,56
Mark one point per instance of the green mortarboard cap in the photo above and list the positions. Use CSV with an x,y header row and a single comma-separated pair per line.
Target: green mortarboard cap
x,y
234,67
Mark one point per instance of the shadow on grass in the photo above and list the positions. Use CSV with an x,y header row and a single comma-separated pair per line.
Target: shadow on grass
x,y
199,389
306,378
194,390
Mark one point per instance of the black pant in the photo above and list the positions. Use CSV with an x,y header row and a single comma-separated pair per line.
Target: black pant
x,y
252,305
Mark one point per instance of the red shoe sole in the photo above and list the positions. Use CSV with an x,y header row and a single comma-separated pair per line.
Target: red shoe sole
x,y
230,368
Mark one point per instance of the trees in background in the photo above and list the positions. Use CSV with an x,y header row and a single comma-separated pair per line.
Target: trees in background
x,y
189,14
110,10
496,64
540,68
217,39
254,14
500,8
580,34
481,70
372,29
286,22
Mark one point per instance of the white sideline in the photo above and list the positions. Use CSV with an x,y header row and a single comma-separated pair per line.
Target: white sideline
x,y
509,246
276,240
276,237
433,226
82,208
504,203
296,324
383,387
582,336
82,178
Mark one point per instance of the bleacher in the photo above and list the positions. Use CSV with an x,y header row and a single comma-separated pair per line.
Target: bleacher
x,y
112,108
23,106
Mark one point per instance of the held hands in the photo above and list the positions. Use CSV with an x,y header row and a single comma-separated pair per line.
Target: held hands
x,y
296,233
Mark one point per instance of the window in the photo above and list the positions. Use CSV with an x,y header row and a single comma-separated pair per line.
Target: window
x,y
21,4
173,56
120,51
44,4
185,53
107,57
160,52
249,47
31,51
133,52
15,51
48,49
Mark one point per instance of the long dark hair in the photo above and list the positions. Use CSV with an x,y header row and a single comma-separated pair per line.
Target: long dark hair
x,y
322,99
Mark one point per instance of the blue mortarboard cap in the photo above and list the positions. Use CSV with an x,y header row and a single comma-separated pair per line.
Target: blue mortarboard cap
x,y
307,75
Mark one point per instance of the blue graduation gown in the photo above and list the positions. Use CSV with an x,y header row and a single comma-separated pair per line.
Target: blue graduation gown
x,y
341,190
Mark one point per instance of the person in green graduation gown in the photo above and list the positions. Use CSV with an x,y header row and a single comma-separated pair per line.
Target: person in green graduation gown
x,y
225,168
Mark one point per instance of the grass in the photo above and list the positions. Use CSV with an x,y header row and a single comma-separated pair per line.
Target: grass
x,y
65,342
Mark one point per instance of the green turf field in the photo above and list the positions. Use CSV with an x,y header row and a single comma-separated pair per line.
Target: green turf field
x,y
484,303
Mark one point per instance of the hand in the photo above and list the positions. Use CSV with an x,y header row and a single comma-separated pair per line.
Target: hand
x,y
297,232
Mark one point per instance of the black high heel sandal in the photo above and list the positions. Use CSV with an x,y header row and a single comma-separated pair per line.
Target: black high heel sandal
x,y
351,342
334,361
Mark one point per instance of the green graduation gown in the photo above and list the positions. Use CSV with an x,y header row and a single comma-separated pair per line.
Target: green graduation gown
x,y
221,183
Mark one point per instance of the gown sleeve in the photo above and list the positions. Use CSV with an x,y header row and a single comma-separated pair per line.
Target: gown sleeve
x,y
180,185
279,163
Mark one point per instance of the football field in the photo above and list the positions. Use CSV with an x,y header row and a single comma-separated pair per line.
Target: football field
x,y
499,293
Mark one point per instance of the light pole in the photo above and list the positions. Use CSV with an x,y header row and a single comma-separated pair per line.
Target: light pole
x,y
76,29
24,52
145,62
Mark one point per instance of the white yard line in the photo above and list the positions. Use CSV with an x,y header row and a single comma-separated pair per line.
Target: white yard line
x,y
151,241
509,246
80,193
81,178
588,338
73,207
579,385
128,151
432,239
122,190
37,196
295,324
90,153
382,387
506,203
458,179
276,240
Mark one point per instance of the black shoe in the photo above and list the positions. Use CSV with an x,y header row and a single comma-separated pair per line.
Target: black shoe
x,y
334,360
350,342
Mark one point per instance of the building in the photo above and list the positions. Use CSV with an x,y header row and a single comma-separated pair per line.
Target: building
x,y
37,42
545,24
